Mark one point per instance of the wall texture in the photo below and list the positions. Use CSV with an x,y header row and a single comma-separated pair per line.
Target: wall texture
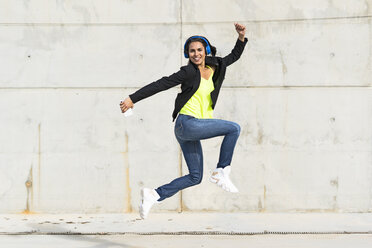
x,y
302,93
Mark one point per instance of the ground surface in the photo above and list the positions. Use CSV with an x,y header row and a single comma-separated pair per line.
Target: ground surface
x,y
227,230
187,241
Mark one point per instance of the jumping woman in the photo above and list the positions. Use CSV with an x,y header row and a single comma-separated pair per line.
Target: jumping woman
x,y
201,80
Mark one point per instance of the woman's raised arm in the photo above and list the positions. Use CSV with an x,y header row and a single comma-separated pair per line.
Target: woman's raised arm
x,y
239,45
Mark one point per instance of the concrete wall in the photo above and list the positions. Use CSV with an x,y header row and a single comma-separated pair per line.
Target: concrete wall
x,y
302,93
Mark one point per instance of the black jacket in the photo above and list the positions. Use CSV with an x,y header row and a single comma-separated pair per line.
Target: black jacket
x,y
189,78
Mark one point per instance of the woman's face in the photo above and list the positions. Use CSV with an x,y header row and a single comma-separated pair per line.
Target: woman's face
x,y
196,52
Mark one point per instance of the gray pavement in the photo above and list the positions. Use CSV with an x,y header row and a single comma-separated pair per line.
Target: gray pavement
x,y
186,223
187,241
187,230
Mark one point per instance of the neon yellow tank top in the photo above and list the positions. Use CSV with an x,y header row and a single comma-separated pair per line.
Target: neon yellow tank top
x,y
200,104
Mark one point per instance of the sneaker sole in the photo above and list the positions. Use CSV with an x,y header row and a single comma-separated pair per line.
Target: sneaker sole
x,y
213,180
216,181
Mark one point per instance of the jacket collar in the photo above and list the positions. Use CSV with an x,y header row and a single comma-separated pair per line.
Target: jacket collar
x,y
209,60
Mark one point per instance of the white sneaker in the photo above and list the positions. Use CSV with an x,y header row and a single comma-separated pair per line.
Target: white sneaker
x,y
148,198
221,178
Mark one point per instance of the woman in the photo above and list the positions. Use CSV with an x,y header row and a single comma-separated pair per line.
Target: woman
x,y
201,82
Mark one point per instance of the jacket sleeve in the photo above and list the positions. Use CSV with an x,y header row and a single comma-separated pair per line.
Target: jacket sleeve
x,y
162,84
236,52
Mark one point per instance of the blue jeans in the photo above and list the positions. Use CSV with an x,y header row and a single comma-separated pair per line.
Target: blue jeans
x,y
189,131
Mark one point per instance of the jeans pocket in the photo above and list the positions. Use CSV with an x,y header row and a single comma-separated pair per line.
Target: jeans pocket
x,y
178,128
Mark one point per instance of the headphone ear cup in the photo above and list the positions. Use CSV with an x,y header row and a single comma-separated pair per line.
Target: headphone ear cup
x,y
184,49
208,48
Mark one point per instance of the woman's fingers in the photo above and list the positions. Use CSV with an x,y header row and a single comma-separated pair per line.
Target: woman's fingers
x,y
240,27
122,106
124,109
126,104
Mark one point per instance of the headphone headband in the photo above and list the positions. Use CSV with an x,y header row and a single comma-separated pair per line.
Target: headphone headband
x,y
207,48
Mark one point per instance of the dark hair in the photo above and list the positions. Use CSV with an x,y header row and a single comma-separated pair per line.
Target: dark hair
x,y
190,40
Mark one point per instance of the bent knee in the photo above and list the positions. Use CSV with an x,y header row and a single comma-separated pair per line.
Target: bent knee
x,y
196,178
236,128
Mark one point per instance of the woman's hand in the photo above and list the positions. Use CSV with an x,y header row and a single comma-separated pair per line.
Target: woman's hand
x,y
126,104
241,30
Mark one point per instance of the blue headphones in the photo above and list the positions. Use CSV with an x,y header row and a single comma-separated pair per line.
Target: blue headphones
x,y
208,47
